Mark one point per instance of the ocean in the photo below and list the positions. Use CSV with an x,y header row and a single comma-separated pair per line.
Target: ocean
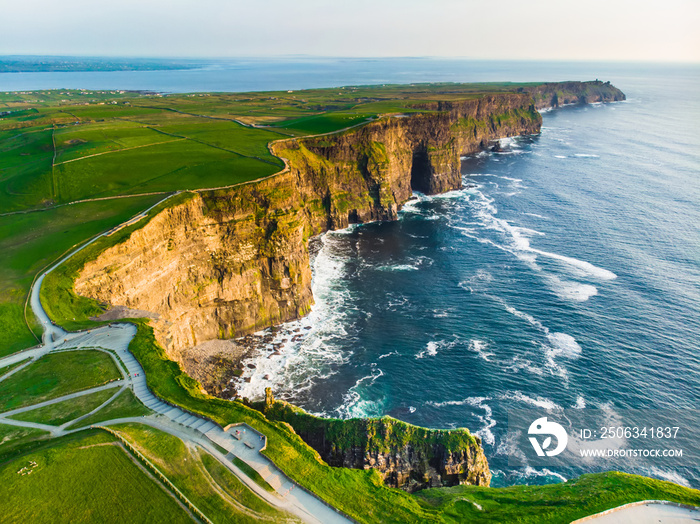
x,y
564,275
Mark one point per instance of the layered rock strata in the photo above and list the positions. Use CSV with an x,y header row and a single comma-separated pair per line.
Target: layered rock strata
x,y
557,94
229,262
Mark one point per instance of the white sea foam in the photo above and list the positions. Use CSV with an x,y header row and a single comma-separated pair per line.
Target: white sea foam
x,y
580,403
544,472
486,419
570,289
477,282
560,156
586,268
585,155
355,406
503,177
518,363
479,347
432,348
555,344
509,141
670,475
563,344
517,241
399,267
303,350
540,402
525,316
413,264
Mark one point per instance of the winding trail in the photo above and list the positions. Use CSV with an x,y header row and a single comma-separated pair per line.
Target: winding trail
x,y
237,440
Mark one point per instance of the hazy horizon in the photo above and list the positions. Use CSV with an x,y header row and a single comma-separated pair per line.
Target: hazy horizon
x,y
341,57
606,30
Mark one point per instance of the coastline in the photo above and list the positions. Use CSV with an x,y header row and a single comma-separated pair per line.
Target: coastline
x,y
439,172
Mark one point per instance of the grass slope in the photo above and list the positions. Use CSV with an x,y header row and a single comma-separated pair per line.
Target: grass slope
x,y
555,503
55,375
83,479
125,405
254,475
13,438
62,412
7,369
187,470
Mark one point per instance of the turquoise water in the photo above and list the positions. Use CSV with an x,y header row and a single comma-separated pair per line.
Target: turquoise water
x,y
564,275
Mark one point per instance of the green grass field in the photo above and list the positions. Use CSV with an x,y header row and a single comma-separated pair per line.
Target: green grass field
x,y
125,405
6,369
13,438
203,480
84,478
62,412
55,375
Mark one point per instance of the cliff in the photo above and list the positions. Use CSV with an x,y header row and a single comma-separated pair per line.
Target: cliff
x,y
232,261
557,94
229,262
407,456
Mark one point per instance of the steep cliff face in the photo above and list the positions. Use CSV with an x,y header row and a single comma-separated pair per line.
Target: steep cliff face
x,y
408,457
233,261
556,94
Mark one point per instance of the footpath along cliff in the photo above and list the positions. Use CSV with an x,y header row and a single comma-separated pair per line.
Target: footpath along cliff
x,y
229,262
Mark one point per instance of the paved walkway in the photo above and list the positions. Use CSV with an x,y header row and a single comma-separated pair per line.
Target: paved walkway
x,y
240,441
649,512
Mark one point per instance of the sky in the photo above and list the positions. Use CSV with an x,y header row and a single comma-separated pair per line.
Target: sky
x,y
620,30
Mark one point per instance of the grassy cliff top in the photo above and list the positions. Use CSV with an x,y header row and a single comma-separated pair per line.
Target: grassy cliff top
x,y
67,157
62,146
